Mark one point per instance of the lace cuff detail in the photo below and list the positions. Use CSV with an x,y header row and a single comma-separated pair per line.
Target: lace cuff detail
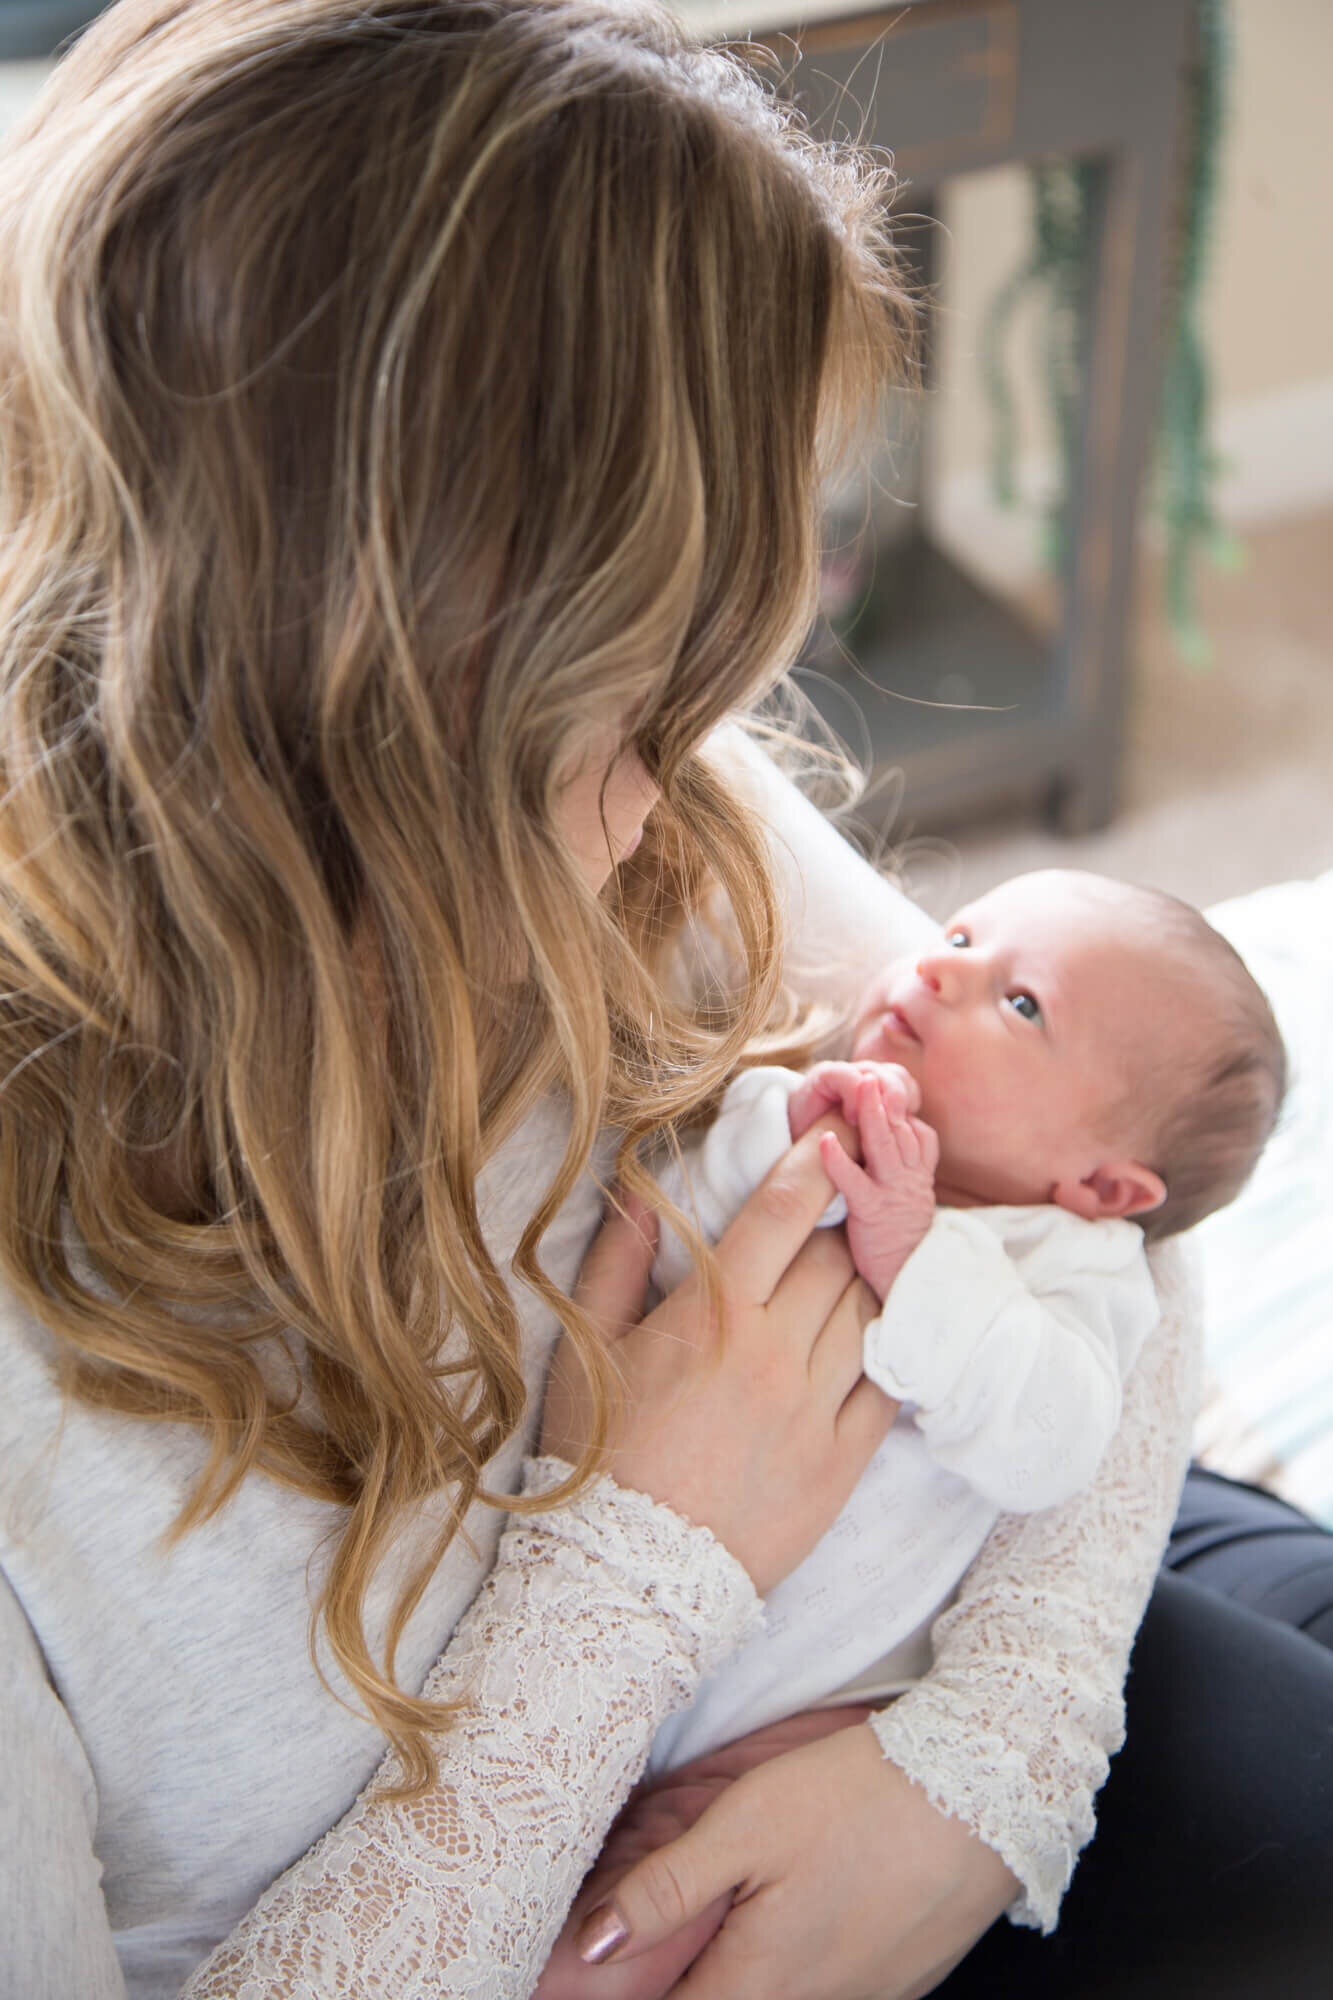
x,y
1013,1729
684,1574
598,1620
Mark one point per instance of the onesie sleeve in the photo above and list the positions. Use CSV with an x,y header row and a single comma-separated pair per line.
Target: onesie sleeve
x,y
598,1621
1012,1331
56,1938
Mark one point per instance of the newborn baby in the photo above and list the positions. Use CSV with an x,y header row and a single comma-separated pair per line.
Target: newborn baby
x,y
1078,1067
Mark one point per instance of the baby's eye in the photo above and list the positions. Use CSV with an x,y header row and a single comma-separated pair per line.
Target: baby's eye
x,y
1024,1004
957,939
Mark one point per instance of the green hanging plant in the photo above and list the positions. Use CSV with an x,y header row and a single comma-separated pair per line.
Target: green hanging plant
x,y
1062,198
1185,467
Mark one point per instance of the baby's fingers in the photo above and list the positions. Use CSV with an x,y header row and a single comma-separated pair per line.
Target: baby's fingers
x,y
888,1137
900,1088
842,1084
929,1140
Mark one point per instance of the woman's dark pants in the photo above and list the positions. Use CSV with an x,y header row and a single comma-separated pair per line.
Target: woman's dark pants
x,y
1211,1872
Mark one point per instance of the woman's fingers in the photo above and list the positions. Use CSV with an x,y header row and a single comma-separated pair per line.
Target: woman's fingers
x,y
823,1303
775,1222
865,1419
651,1974
811,1287
661,1896
736,1418
654,1816
614,1277
610,1289
862,1413
852,1182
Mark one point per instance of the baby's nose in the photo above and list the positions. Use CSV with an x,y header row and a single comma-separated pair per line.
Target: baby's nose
x,y
934,972
943,973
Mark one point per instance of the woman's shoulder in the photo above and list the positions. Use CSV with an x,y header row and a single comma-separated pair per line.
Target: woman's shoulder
x,y
72,1471
30,1368
844,916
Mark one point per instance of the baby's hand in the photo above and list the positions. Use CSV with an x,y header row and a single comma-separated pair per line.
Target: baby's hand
x,y
835,1086
891,1199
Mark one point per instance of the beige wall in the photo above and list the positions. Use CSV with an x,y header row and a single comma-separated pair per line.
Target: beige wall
x,y
1269,296
19,84
1270,301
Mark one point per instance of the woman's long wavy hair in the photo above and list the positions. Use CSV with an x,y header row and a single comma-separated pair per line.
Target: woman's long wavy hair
x,y
394,392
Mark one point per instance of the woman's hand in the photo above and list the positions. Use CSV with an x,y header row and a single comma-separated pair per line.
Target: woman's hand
x,y
654,1814
844,1883
758,1424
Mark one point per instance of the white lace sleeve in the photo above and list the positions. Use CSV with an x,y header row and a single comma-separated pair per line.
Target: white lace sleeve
x,y
1012,1730
597,1622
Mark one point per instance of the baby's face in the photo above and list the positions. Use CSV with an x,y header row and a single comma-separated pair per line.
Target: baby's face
x,y
1023,1030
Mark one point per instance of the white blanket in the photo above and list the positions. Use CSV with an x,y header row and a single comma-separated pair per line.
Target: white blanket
x,y
1268,1259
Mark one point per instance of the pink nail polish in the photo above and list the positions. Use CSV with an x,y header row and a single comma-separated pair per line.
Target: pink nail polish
x,y
603,1933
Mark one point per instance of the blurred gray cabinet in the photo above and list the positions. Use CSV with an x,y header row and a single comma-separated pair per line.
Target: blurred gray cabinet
x,y
956,85
31,29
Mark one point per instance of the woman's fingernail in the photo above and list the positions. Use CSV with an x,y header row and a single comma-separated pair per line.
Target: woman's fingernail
x,y
603,1933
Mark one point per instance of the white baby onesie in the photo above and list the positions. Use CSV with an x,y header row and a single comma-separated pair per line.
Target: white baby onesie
x,y
1007,1336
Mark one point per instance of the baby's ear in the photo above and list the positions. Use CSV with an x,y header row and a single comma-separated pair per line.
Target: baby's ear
x,y
1117,1188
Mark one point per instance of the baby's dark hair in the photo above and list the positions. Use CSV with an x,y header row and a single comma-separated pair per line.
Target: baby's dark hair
x,y
1216,1111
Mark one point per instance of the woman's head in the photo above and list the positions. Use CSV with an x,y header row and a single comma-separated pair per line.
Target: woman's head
x,y
408,403
462,363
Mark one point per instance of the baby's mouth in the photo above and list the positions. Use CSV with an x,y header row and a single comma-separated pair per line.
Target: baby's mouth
x,y
899,1024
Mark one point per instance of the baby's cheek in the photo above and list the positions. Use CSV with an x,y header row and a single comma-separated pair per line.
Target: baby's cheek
x,y
874,999
876,1042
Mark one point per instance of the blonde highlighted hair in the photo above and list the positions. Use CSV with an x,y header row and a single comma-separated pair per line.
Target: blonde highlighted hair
x,y
394,391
